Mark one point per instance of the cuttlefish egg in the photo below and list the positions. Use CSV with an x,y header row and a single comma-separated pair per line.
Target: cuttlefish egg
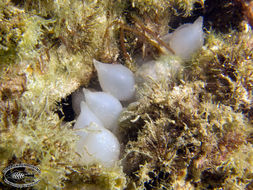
x,y
86,117
105,106
98,146
116,79
186,39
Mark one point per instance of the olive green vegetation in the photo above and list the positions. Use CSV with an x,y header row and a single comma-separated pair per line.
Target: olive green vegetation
x,y
227,67
182,138
177,6
191,132
47,49
195,132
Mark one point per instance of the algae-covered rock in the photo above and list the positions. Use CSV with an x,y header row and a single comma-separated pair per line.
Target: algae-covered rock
x,y
190,124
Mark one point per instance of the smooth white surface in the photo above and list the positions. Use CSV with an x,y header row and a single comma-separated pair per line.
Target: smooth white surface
x,y
187,39
99,145
86,117
116,79
106,107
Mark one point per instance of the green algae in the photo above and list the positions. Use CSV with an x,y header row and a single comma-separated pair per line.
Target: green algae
x,y
192,130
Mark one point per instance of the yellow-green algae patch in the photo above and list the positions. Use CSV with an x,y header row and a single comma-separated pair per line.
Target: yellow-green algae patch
x,y
181,133
226,65
193,132
189,133
45,56
152,6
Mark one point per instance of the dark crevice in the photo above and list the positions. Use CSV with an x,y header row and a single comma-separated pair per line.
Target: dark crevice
x,y
65,110
222,16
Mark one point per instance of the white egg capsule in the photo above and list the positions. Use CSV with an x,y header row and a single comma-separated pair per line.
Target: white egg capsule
x,y
105,106
98,146
86,117
166,68
116,79
186,39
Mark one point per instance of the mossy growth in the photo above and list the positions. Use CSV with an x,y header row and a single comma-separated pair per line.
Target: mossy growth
x,y
180,137
39,135
51,56
95,177
46,142
150,6
190,133
184,134
225,64
11,29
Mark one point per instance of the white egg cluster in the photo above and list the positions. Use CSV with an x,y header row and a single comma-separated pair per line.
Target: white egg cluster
x,y
184,41
99,112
